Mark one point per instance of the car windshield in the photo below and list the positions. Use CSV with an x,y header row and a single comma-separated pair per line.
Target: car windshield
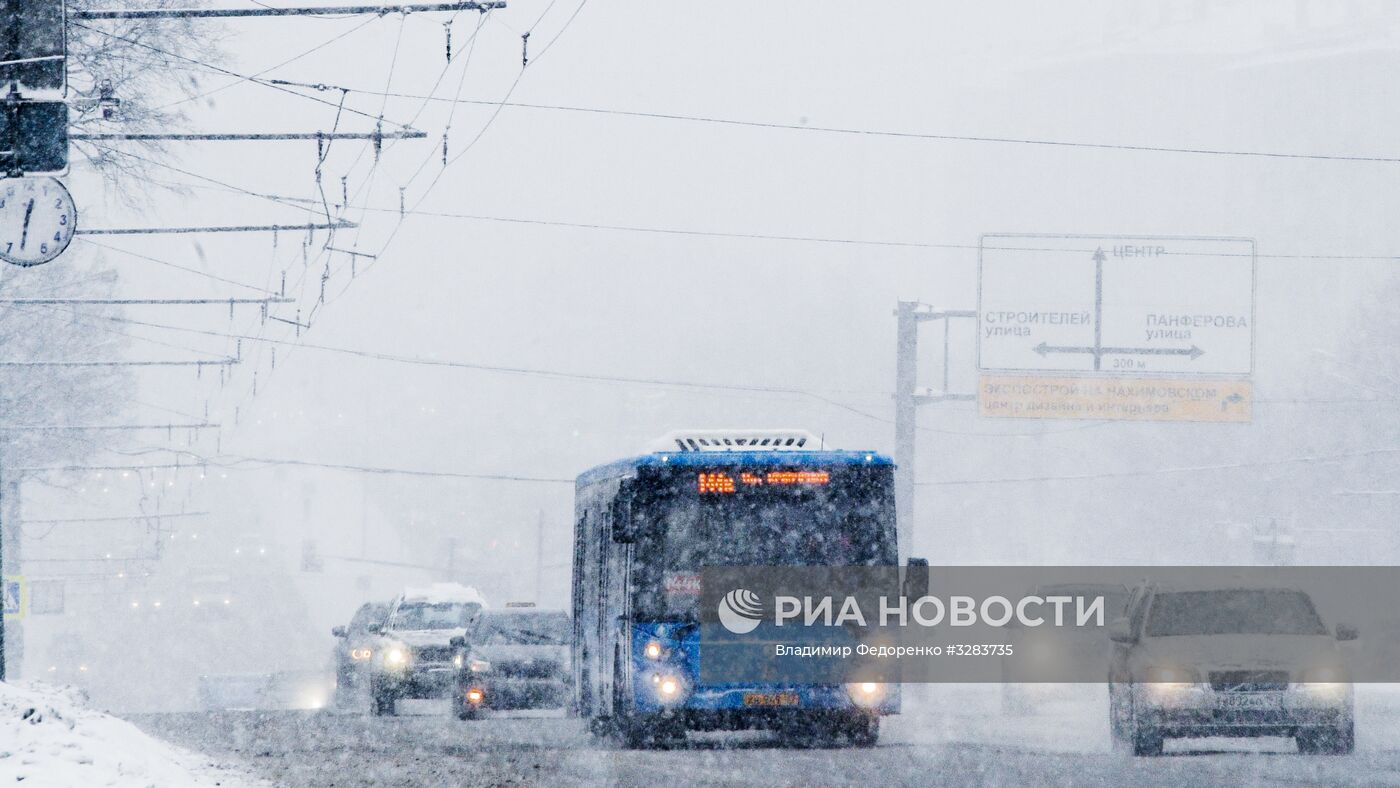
x,y
1233,612
435,615
522,629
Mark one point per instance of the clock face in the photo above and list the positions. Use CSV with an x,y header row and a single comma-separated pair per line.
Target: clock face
x,y
37,220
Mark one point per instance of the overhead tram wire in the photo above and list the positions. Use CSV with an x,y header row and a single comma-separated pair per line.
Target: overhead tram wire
x,y
176,266
761,236
1334,457
243,463
301,203
143,301
271,10
909,135
324,257
42,313
464,52
228,72
338,37
302,280
564,27
490,121
471,144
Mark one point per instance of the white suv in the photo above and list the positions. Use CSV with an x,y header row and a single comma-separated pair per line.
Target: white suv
x,y
1228,662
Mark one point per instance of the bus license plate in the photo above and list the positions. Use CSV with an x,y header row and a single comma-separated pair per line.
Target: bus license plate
x,y
770,699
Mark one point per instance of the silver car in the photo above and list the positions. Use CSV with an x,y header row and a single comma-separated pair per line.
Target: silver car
x,y
1228,662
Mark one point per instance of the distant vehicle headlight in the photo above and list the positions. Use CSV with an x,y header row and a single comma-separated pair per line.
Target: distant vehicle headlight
x,y
866,693
652,650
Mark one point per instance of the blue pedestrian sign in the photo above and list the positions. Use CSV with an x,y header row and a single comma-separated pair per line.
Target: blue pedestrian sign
x,y
14,597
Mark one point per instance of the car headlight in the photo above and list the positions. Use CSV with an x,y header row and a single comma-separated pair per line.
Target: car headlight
x,y
866,693
396,656
1171,675
1326,674
361,654
1325,681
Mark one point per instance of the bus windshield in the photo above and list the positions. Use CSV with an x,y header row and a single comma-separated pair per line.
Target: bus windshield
x,y
837,522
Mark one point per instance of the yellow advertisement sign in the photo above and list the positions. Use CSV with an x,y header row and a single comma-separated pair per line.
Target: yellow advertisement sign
x,y
1115,398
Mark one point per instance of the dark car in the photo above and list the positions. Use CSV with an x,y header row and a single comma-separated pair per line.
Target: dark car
x,y
354,648
517,658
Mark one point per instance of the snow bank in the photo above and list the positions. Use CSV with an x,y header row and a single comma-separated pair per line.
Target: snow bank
x,y
49,737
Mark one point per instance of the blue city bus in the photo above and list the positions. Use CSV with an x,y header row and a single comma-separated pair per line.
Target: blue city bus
x,y
645,527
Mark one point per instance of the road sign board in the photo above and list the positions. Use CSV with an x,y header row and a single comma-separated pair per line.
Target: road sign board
x,y
41,138
1116,305
12,589
33,45
1115,398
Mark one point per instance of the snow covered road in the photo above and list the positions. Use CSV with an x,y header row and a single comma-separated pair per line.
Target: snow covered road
x,y
949,735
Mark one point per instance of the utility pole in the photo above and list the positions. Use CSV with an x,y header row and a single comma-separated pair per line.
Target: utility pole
x,y
539,558
4,537
908,396
11,633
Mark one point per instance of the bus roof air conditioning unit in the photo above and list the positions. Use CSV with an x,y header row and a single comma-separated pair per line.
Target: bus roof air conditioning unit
x,y
739,440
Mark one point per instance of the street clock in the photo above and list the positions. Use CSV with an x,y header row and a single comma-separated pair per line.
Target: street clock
x,y
37,220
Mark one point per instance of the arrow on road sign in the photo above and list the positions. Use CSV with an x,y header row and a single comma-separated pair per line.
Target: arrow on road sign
x,y
1193,351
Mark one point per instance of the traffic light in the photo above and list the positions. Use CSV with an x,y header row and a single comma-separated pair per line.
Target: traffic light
x,y
33,137
33,81
33,46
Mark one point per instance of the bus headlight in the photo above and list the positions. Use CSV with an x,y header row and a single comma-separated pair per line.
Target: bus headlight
x,y
866,693
668,688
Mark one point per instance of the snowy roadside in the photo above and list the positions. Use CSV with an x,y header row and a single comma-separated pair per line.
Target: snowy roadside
x,y
49,737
